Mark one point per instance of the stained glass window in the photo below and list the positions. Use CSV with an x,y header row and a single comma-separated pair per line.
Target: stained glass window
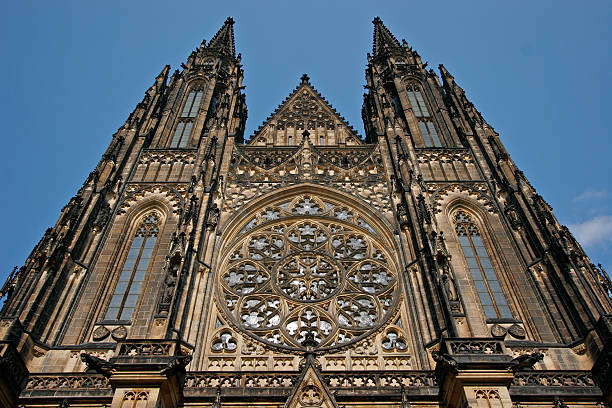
x,y
430,136
418,104
479,264
185,124
123,301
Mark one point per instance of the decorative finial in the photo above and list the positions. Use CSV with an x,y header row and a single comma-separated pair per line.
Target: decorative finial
x,y
376,20
229,21
305,79
309,339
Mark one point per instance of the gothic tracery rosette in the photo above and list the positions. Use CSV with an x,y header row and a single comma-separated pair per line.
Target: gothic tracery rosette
x,y
308,267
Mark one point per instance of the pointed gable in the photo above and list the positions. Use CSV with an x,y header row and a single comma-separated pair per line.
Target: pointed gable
x,y
310,390
305,109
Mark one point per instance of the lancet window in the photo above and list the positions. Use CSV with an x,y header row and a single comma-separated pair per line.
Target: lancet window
x,y
186,120
479,264
430,136
129,285
426,125
418,103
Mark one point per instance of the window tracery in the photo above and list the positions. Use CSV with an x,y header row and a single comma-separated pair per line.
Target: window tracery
x,y
184,127
426,125
479,264
307,266
129,285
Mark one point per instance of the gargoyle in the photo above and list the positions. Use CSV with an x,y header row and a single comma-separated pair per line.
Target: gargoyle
x,y
526,361
444,362
97,364
177,363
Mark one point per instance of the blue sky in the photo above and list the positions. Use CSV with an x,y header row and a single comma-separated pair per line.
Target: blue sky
x,y
539,71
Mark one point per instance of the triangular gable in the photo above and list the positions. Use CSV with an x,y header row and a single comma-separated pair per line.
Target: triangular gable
x,y
310,390
305,109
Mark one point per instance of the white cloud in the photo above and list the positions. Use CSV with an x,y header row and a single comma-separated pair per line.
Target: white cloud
x,y
590,194
593,231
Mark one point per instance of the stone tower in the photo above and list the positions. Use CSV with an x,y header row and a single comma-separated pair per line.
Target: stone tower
x,y
306,266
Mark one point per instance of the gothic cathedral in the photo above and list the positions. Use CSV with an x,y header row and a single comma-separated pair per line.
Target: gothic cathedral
x,y
306,266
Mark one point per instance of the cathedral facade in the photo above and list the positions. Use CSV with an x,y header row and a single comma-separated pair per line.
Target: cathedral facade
x,y
306,266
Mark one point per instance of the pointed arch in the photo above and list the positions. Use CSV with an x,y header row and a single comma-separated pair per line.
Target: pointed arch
x,y
135,267
135,238
423,113
186,119
480,256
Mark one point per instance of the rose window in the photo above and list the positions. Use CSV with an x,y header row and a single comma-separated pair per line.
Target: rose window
x,y
315,269
308,276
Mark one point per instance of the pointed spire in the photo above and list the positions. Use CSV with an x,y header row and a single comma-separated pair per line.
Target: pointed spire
x,y
162,78
383,39
164,72
223,41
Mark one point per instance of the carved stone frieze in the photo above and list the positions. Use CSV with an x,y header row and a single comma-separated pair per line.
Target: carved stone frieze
x,y
554,379
168,156
68,381
227,380
378,380
358,170
140,349
472,346
441,192
175,194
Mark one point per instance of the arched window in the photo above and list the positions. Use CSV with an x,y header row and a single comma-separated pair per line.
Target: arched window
x,y
190,110
426,125
418,104
185,124
487,285
134,270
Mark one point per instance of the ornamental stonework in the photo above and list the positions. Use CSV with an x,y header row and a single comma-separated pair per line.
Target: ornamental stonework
x,y
308,266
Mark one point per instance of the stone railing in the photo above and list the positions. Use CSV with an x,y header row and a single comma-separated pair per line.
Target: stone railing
x,y
146,348
336,380
249,380
554,379
381,379
73,381
473,346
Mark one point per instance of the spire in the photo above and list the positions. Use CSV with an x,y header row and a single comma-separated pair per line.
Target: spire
x,y
383,39
223,41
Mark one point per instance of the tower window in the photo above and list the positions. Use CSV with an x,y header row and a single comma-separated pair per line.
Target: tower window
x,y
289,140
430,136
183,128
135,267
181,134
321,140
487,285
418,103
190,110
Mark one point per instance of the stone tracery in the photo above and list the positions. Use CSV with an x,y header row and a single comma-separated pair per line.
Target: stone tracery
x,y
307,266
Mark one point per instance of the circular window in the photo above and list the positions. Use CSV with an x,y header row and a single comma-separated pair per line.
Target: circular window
x,y
308,268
